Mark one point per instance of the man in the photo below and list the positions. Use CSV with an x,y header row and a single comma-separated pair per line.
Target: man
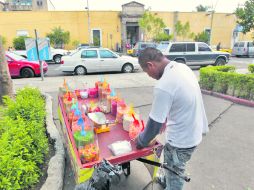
x,y
178,102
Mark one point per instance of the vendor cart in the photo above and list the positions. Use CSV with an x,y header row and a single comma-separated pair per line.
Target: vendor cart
x,y
83,172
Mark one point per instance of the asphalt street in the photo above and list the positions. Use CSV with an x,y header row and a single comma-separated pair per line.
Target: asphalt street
x,y
240,63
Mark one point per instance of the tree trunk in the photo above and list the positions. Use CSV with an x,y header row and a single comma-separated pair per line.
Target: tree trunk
x,y
5,78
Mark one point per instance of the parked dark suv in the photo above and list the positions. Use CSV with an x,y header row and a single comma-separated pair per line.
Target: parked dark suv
x,y
193,53
142,45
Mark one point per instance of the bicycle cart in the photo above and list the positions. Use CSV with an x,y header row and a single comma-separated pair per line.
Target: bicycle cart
x,y
83,172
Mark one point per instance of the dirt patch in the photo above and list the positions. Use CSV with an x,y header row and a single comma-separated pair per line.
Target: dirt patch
x,y
44,167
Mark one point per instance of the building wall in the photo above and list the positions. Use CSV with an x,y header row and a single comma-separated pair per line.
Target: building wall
x,y
222,26
110,25
74,22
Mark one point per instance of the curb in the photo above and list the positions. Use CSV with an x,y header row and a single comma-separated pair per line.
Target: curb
x,y
229,98
56,165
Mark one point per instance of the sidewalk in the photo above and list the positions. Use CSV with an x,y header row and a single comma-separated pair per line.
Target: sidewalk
x,y
223,161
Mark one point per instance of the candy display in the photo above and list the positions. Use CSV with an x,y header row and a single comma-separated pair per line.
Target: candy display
x,y
135,128
121,109
92,111
97,128
93,93
84,94
89,153
82,140
77,92
127,117
114,107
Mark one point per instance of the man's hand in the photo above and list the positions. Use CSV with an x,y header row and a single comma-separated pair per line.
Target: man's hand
x,y
138,146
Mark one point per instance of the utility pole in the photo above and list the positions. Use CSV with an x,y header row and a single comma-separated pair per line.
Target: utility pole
x,y
88,22
211,28
38,54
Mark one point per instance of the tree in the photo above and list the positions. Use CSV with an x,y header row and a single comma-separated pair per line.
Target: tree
x,y
202,8
152,25
202,37
245,16
19,43
58,37
75,43
163,37
183,30
5,78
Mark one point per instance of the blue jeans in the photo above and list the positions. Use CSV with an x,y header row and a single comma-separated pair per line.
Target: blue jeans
x,y
176,159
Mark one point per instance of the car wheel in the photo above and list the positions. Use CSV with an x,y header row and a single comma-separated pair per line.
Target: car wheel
x,y
57,59
127,68
27,73
180,61
220,61
80,70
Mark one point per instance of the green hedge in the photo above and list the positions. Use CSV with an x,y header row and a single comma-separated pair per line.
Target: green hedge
x,y
251,68
224,79
23,140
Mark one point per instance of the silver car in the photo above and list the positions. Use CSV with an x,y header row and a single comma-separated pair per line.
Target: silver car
x,y
244,48
193,53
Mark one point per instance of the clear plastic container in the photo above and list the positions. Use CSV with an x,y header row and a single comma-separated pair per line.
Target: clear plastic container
x,y
121,109
87,142
84,136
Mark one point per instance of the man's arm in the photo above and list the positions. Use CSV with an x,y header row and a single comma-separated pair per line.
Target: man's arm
x,y
152,129
162,103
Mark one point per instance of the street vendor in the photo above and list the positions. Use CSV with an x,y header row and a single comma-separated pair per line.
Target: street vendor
x,y
177,102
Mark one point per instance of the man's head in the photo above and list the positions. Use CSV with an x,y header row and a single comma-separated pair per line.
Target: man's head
x,y
152,62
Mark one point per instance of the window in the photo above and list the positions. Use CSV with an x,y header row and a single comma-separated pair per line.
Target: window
x,y
203,47
250,44
167,31
106,54
162,46
22,33
15,56
241,44
208,31
190,47
143,46
178,48
39,3
236,44
89,54
96,37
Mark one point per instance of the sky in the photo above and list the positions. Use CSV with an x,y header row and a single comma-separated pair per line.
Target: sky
x,y
227,6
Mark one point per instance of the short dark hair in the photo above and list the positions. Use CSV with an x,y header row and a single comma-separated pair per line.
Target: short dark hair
x,y
149,54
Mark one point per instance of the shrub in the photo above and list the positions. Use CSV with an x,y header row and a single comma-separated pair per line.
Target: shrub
x,y
223,79
58,37
163,37
19,43
202,37
23,140
251,68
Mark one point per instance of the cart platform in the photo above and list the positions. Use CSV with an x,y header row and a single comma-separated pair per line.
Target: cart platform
x,y
117,133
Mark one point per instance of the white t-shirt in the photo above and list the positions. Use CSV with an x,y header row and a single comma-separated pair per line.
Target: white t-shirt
x,y
177,98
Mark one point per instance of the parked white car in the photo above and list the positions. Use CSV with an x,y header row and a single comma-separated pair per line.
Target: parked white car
x,y
91,60
56,54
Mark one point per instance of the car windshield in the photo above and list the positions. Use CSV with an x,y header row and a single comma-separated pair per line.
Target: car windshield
x,y
162,47
15,56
